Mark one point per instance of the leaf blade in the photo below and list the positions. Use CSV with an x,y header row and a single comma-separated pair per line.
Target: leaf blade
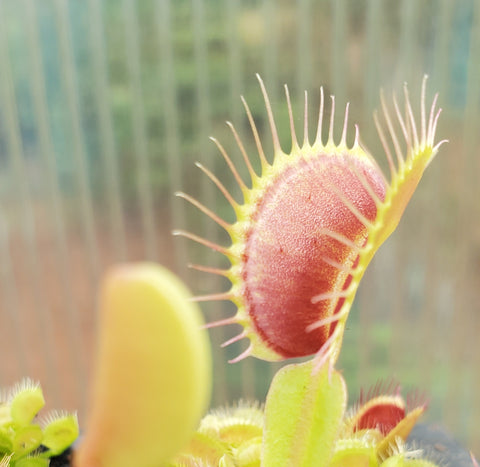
x,y
303,414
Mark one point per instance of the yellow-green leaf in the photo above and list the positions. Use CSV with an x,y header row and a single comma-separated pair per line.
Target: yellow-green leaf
x,y
32,462
303,414
60,433
152,380
399,460
358,452
26,402
26,439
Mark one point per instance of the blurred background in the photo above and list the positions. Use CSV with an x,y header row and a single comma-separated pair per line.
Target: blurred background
x,y
106,105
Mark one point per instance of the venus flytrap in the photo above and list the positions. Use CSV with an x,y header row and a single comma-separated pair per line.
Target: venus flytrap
x,y
24,441
307,228
405,460
60,430
303,416
359,452
230,436
25,401
309,225
152,380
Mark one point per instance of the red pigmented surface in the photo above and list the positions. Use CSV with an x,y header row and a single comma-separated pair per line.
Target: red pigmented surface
x,y
283,267
382,416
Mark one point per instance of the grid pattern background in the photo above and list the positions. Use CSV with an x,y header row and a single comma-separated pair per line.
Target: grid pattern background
x,y
106,105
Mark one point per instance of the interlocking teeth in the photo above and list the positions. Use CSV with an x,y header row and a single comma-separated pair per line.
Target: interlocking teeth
x,y
310,223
